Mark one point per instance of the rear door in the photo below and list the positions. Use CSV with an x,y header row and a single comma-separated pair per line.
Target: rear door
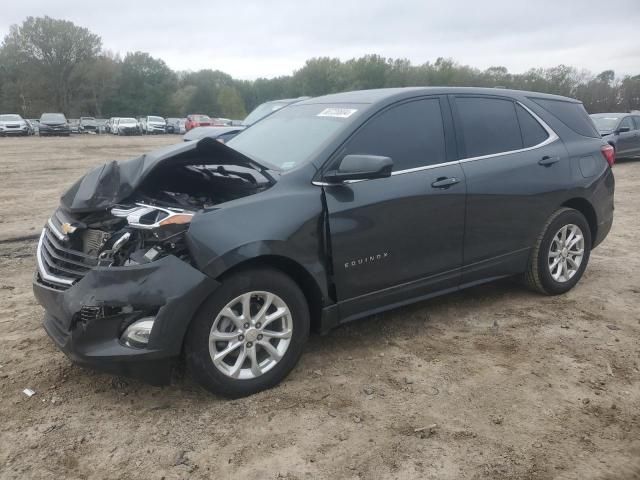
x,y
399,237
516,169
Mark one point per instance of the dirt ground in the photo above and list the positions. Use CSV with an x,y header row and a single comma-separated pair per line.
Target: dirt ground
x,y
492,383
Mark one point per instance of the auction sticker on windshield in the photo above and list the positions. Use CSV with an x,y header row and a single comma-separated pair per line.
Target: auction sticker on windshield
x,y
337,112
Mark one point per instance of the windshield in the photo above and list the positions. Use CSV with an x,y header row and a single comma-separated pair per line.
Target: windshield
x,y
293,135
605,123
10,118
201,118
127,120
262,111
87,119
156,119
53,117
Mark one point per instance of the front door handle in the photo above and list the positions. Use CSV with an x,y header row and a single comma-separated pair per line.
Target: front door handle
x,y
444,182
547,160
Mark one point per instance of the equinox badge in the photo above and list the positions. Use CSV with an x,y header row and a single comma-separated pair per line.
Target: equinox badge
x,y
366,260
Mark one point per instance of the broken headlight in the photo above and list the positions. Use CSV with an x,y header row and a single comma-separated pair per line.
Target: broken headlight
x,y
155,232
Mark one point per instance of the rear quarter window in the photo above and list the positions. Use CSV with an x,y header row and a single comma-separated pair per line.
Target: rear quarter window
x,y
532,132
572,114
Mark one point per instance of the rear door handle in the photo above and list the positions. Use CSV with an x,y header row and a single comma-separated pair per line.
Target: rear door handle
x,y
444,182
547,160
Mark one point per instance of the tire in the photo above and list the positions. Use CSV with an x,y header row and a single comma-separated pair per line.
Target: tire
x,y
199,351
541,274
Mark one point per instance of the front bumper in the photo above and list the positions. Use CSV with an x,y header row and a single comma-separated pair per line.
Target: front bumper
x,y
87,319
14,131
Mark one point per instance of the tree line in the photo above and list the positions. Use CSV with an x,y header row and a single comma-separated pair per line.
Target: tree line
x,y
50,65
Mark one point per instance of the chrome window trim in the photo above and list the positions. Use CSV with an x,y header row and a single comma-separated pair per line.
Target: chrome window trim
x,y
553,136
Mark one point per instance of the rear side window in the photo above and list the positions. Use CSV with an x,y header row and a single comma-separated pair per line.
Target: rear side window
x,y
489,125
573,115
637,120
532,132
412,134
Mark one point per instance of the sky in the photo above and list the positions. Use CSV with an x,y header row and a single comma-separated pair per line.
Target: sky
x,y
249,39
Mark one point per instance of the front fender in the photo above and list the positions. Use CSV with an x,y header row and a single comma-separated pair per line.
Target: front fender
x,y
286,224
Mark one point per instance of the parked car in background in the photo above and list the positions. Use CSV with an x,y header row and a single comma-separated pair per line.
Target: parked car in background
x,y
176,125
88,125
31,127
151,125
196,120
621,131
226,133
126,126
13,124
329,210
109,127
53,124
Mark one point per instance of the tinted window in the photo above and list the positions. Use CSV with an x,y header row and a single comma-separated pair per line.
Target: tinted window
x,y
532,132
412,134
489,125
573,115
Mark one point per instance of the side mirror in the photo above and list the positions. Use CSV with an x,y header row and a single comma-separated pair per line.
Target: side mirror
x,y
623,129
360,167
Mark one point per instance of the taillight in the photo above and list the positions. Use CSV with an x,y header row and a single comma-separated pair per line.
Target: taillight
x,y
609,154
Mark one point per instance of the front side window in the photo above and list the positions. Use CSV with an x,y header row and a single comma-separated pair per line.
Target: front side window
x,y
411,133
489,125
626,122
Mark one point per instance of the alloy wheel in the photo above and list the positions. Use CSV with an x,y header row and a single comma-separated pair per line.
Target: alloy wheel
x,y
566,253
250,335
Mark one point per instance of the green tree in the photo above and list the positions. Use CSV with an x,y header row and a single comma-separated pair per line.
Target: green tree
x,y
145,87
230,103
52,48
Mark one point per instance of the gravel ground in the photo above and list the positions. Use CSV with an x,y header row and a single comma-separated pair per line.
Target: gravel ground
x,y
495,382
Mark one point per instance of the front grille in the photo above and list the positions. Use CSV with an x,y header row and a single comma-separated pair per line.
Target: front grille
x,y
58,262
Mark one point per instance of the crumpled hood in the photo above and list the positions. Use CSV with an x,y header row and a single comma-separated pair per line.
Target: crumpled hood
x,y
111,183
212,132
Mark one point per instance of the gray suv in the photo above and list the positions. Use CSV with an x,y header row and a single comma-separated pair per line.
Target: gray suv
x,y
621,131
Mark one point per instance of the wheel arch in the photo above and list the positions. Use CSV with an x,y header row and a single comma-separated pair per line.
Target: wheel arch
x,y
584,206
304,279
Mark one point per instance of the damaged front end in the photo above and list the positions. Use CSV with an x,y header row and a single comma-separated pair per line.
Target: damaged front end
x,y
114,273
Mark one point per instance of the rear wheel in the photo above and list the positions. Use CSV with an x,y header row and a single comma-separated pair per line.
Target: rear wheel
x,y
249,334
561,253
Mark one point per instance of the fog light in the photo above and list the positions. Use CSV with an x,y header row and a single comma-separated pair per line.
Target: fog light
x,y
137,334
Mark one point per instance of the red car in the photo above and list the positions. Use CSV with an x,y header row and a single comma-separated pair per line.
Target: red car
x,y
197,120
194,121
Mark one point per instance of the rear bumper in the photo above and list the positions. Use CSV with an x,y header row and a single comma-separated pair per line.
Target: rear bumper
x,y
603,200
86,320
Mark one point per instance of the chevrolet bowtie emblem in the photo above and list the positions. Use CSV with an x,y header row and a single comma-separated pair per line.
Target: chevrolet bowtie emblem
x,y
67,228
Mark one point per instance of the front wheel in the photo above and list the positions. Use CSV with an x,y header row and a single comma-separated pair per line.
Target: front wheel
x,y
561,253
249,334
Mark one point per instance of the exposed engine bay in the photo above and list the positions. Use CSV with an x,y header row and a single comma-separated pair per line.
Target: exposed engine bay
x,y
145,226
152,222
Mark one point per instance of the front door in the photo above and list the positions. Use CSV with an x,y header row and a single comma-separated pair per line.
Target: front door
x,y
399,237
626,144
